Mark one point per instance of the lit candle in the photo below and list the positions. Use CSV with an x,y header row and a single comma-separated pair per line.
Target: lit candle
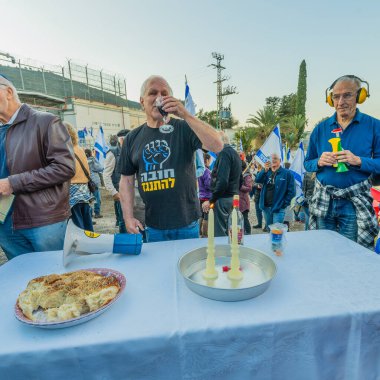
x,y
210,271
234,273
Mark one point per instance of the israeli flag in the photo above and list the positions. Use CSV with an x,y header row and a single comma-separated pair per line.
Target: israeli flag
x,y
199,161
100,146
284,153
213,157
189,103
85,131
298,169
91,131
272,145
288,156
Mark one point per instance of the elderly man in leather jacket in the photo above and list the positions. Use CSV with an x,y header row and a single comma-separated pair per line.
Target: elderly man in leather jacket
x,y
36,164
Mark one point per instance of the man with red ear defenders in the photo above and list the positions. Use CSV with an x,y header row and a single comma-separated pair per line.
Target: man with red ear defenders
x,y
341,201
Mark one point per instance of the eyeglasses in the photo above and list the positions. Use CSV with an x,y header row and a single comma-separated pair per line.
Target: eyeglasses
x,y
345,96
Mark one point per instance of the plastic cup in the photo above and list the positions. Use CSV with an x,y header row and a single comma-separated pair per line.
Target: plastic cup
x,y
277,237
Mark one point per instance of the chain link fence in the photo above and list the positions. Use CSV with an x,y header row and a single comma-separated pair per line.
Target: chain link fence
x,y
70,80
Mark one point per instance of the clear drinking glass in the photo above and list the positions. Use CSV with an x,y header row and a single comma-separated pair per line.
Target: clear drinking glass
x,y
165,116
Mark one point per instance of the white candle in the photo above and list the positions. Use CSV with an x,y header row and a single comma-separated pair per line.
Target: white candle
x,y
210,271
235,273
234,237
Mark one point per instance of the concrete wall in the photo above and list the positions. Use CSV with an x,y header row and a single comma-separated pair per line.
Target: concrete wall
x,y
111,118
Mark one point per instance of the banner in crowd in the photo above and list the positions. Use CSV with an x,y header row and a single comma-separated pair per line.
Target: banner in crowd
x,y
298,169
272,145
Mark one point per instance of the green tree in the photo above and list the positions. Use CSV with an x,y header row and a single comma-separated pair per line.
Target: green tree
x,y
263,123
288,110
287,106
207,116
210,118
301,90
274,102
292,130
247,136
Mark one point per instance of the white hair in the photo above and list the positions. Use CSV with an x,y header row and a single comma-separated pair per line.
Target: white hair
x,y
8,83
150,79
351,79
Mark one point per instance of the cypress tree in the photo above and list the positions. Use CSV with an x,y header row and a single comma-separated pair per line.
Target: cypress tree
x,y
301,91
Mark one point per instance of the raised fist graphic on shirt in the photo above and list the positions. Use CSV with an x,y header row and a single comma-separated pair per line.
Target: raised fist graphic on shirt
x,y
155,154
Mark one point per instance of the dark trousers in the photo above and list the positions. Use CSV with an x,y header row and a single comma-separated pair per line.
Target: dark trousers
x,y
81,216
98,202
222,210
119,217
247,225
259,213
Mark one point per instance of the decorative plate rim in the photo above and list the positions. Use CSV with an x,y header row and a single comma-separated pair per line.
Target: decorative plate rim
x,y
102,271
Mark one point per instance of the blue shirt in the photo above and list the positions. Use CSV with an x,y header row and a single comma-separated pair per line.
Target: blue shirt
x,y
361,137
4,173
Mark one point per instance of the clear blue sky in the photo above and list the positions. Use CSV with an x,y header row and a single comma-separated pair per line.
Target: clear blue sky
x,y
263,43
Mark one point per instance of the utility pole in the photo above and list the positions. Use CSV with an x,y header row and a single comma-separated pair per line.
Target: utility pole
x,y
220,91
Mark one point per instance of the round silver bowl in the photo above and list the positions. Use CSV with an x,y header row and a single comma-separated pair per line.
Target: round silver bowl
x,y
258,271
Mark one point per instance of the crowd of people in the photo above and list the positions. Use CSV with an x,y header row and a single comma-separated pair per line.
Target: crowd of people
x,y
50,178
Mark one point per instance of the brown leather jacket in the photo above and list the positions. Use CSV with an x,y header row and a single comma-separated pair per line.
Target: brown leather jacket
x,y
40,161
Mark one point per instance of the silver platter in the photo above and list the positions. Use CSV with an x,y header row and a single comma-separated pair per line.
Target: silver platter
x,y
258,271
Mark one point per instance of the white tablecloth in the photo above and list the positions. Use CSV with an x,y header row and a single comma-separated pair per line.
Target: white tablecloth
x,y
320,319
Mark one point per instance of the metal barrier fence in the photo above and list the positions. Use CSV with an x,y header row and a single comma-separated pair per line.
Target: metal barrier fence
x,y
70,80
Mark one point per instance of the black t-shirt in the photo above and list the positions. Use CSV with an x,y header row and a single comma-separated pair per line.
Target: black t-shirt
x,y
269,193
164,166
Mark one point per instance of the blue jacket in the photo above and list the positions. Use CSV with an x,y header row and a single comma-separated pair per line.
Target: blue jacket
x,y
284,191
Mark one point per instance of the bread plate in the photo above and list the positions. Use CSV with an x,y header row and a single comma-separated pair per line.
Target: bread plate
x,y
83,318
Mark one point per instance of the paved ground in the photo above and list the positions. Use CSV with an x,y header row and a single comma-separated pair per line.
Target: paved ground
x,y
107,223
